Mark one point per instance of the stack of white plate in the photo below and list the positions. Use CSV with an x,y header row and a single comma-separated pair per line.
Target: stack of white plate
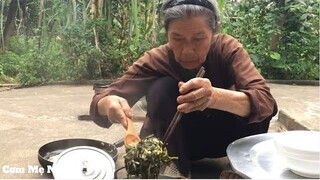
x,y
300,151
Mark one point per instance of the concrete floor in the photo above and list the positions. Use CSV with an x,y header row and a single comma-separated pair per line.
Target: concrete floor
x,y
32,117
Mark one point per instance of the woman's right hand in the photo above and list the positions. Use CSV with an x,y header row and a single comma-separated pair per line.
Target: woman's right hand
x,y
116,108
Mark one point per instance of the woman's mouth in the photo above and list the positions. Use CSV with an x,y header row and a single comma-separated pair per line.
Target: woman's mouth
x,y
189,64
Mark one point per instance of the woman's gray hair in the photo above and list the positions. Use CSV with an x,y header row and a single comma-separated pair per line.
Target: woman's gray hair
x,y
190,10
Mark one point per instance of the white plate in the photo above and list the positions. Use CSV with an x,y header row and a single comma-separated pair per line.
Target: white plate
x,y
255,157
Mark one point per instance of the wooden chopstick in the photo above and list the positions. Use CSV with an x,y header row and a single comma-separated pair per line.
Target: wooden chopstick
x,y
178,115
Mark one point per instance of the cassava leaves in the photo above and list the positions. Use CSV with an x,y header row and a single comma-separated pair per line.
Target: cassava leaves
x,y
144,160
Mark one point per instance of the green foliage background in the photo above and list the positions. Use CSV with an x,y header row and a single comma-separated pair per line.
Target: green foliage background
x,y
281,36
294,22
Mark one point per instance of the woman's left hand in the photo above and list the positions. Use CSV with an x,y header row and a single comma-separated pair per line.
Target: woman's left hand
x,y
196,95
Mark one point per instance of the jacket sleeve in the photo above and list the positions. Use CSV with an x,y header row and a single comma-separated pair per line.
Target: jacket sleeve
x,y
131,86
135,82
248,80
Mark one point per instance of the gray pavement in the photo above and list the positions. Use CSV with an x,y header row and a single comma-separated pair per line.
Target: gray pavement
x,y
299,106
32,117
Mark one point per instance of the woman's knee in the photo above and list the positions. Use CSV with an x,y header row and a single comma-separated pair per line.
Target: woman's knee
x,y
161,105
163,92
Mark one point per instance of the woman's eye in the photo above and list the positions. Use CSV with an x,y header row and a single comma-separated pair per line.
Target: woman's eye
x,y
199,39
178,39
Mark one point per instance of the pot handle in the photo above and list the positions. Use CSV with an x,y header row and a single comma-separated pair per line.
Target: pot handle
x,y
119,143
117,171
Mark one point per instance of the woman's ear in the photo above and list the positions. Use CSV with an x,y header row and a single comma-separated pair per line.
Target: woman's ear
x,y
217,26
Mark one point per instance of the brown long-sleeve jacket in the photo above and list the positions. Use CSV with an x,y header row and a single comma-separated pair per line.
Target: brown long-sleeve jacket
x,y
227,65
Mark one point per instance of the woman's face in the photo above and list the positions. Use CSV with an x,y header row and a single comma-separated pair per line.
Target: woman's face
x,y
190,40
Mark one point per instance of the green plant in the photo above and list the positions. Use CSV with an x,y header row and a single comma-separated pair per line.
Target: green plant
x,y
78,46
6,80
99,39
9,64
49,65
281,38
1,70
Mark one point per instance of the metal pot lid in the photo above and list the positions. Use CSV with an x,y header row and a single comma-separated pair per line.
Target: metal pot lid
x,y
83,162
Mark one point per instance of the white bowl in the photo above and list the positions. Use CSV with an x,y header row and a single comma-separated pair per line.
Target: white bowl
x,y
300,151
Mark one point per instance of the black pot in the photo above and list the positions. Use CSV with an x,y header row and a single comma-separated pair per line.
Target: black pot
x,y
98,87
49,151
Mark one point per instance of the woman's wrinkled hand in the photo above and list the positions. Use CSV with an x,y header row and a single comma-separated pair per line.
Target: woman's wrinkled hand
x,y
196,95
116,108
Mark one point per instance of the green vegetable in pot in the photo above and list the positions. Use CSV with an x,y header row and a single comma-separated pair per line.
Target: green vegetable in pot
x,y
144,160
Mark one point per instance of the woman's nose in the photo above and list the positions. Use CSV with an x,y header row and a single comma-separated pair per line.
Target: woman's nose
x,y
188,48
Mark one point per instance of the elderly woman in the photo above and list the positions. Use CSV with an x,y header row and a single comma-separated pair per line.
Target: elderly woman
x,y
231,101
